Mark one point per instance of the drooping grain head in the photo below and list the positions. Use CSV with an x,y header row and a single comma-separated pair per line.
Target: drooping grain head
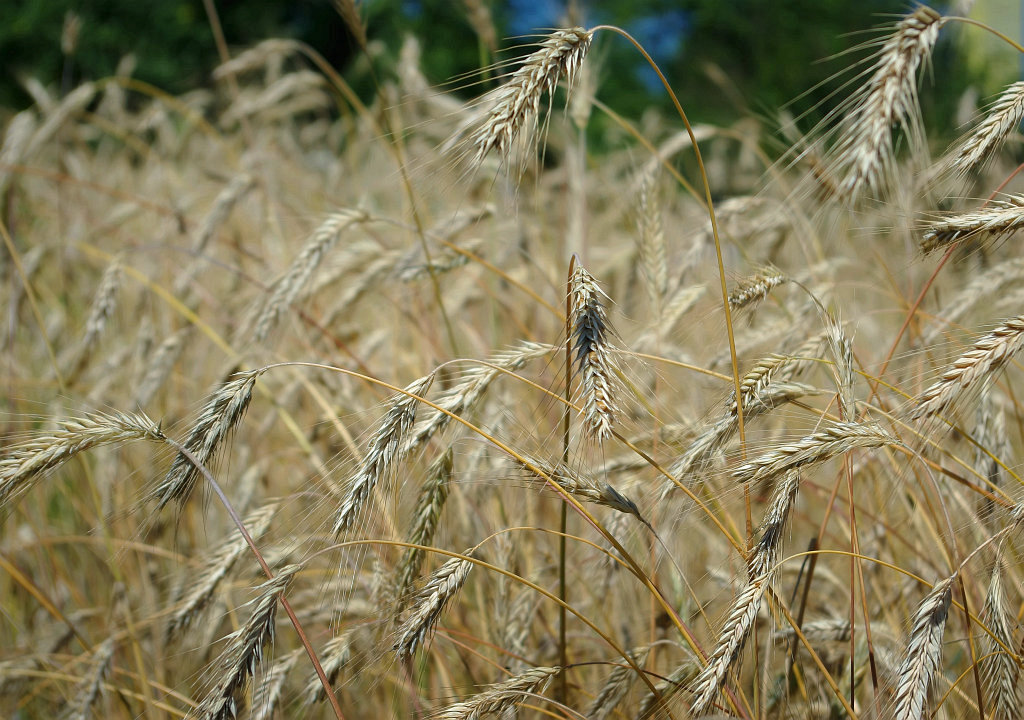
x,y
222,413
975,367
516,104
864,154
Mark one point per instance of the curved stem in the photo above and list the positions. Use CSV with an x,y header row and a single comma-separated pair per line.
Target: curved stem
x,y
1002,36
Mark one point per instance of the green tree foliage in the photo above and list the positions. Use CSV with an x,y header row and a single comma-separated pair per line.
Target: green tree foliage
x,y
725,59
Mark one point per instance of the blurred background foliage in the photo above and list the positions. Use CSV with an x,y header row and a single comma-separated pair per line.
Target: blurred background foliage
x,y
725,59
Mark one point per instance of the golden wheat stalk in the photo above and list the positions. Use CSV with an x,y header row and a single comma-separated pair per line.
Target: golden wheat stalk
x,y
382,453
998,219
466,394
295,280
425,520
222,413
203,585
889,98
503,696
923,654
999,670
1003,117
815,448
990,353
755,289
516,104
616,686
244,650
731,640
429,603
23,462
89,689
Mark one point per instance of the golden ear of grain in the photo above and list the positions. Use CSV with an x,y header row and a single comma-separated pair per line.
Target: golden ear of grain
x,y
288,289
923,655
425,520
103,305
22,463
864,154
981,143
222,413
335,657
731,640
616,686
88,692
383,452
999,671
592,354
652,241
268,694
756,289
244,650
842,354
500,697
765,554
999,219
204,584
989,354
815,448
466,394
515,106
429,603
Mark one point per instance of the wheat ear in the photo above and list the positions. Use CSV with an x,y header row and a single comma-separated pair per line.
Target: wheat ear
x,y
475,383
890,98
842,353
289,287
103,305
266,697
25,461
158,367
516,104
996,220
999,670
582,487
19,130
89,689
244,650
222,413
924,653
382,453
593,353
987,355
990,433
755,289
336,654
1003,118
424,521
652,241
215,569
815,448
429,603
765,554
500,697
761,568
655,704
615,687
691,466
